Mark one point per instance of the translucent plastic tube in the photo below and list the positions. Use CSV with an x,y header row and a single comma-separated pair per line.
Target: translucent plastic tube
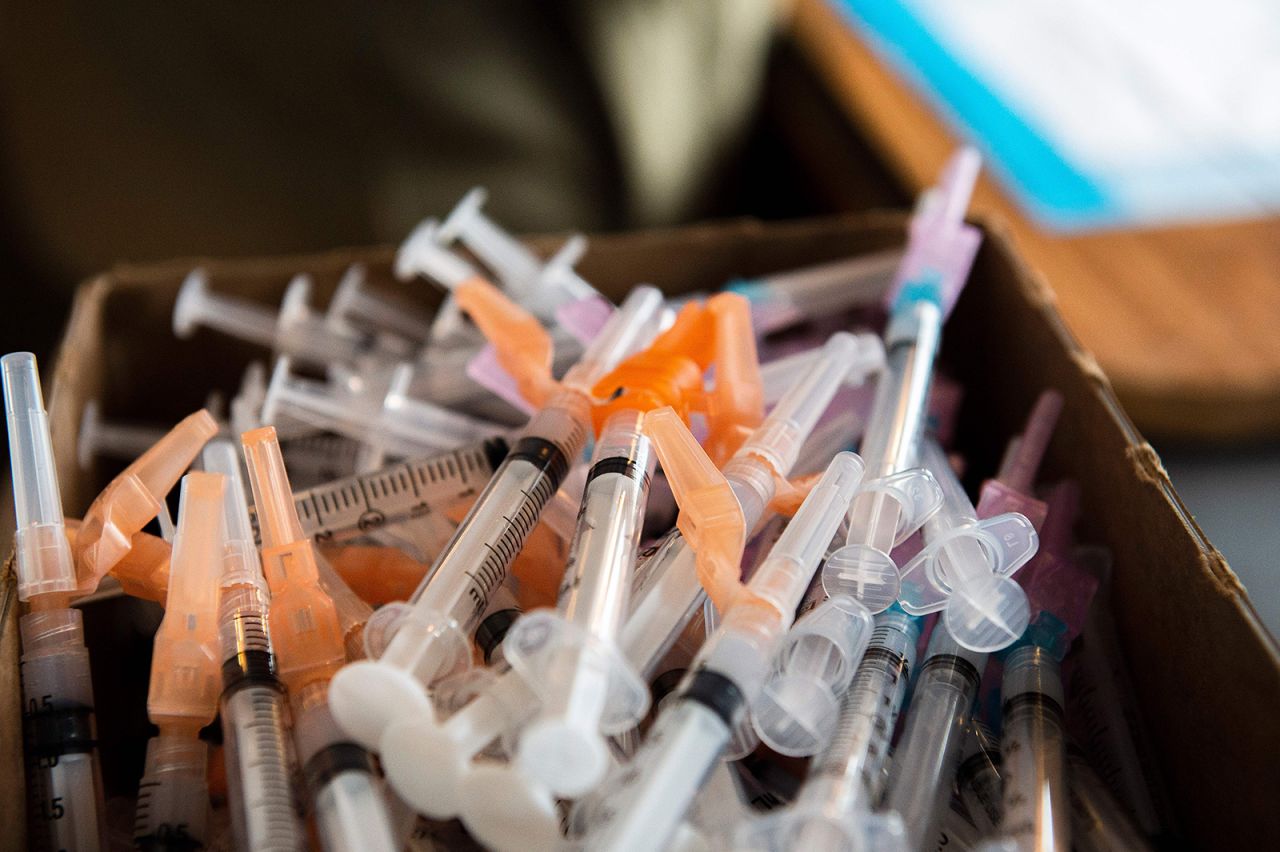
x,y
852,767
924,764
1037,810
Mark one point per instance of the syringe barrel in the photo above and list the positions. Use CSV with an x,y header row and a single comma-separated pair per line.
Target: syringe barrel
x,y
662,780
61,732
476,560
352,814
1037,811
850,772
785,574
173,796
901,403
1098,822
779,438
259,760
925,761
596,588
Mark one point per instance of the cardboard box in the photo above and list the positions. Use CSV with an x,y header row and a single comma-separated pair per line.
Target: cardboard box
x,y
1206,672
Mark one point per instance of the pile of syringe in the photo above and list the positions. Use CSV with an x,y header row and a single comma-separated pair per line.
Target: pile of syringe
x,y
545,572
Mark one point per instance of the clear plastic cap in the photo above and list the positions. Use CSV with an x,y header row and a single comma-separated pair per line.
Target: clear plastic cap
x,y
44,562
797,712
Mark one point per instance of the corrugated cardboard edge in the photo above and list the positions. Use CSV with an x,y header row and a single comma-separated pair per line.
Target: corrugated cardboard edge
x,y
13,798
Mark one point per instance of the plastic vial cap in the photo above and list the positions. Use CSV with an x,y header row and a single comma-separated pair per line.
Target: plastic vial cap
x,y
44,562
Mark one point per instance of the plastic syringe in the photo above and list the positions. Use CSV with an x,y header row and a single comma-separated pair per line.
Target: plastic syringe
x,y
846,778
377,414
571,656
133,498
65,784
924,763
966,566
897,499
357,308
173,796
366,696
397,494
257,753
692,732
1098,822
783,299
540,287
1037,810
351,811
297,330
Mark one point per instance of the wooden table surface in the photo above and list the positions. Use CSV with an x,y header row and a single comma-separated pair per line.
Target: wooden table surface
x,y
1182,319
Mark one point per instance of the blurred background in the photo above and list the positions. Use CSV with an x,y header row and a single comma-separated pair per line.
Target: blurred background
x,y
1133,153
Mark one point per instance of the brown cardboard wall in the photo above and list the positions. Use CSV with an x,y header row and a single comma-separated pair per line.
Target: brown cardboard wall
x,y
1207,674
